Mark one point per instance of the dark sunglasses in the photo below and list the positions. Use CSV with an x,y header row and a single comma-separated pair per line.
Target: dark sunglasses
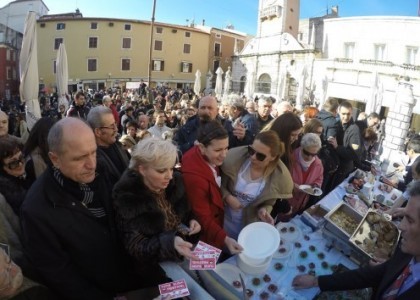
x,y
258,155
307,153
15,163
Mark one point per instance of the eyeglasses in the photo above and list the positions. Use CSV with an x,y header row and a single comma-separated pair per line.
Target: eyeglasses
x,y
260,156
112,127
6,274
307,153
14,164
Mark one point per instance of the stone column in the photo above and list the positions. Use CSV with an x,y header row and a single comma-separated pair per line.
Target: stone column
x,y
398,123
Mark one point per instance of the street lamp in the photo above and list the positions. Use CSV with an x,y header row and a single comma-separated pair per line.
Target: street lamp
x,y
152,24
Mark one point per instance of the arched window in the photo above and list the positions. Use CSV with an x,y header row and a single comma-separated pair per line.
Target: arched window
x,y
264,84
242,84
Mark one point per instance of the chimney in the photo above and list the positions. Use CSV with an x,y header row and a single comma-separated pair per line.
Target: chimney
x,y
203,22
334,10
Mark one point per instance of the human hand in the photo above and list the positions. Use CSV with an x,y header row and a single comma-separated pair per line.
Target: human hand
x,y
233,245
265,216
333,142
195,227
373,170
397,212
304,281
184,248
233,202
239,131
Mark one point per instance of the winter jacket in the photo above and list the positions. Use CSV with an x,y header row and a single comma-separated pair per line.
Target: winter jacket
x,y
77,256
140,221
204,196
278,185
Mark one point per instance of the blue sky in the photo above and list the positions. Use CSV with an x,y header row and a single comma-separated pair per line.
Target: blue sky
x,y
220,13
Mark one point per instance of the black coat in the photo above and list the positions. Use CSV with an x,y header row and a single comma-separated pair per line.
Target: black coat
x,y
14,190
379,278
76,255
141,223
329,123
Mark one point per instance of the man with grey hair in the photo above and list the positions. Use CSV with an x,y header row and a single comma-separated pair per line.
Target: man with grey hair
x,y
240,125
398,277
111,154
68,224
263,112
107,102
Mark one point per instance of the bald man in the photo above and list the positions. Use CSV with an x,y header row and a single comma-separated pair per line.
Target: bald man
x,y
68,223
187,134
4,127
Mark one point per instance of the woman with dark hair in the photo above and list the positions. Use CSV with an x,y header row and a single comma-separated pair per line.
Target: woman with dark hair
x,y
13,182
288,128
253,179
36,148
200,168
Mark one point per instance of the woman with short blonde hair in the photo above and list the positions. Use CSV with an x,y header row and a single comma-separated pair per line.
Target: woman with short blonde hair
x,y
153,216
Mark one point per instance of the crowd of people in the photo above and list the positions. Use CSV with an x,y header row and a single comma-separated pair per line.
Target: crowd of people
x,y
95,196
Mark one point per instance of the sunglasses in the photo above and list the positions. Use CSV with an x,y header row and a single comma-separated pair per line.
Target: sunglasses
x,y
15,163
307,153
260,156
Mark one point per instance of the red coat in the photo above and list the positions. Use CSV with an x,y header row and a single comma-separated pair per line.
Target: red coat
x,y
205,197
314,177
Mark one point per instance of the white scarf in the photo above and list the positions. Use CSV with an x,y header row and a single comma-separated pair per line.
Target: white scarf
x,y
305,164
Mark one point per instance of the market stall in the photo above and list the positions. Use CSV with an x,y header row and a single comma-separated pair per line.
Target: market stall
x,y
315,242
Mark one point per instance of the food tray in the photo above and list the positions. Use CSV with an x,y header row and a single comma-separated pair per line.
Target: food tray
x,y
314,215
349,218
376,236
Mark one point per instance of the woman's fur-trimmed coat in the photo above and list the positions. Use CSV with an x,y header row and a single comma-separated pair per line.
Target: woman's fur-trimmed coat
x,y
140,222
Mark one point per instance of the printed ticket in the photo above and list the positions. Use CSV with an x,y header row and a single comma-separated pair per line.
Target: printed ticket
x,y
174,289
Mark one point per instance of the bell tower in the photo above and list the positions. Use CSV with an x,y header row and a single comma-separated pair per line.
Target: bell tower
x,y
278,16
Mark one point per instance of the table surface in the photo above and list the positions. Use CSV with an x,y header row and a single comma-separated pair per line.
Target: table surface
x,y
312,243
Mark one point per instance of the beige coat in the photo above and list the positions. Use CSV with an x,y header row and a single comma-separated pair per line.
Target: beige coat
x,y
279,184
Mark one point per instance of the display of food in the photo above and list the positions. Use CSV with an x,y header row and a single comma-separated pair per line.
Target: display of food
x,y
249,292
267,278
256,281
385,188
303,254
237,284
311,265
278,266
288,231
301,268
272,288
345,219
376,236
356,202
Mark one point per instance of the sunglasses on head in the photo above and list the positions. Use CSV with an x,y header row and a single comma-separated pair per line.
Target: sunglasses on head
x,y
15,163
260,156
307,153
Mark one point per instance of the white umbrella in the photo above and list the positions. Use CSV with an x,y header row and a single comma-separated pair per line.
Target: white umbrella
x,y
62,76
29,83
228,79
301,88
323,90
219,83
250,83
375,93
197,82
